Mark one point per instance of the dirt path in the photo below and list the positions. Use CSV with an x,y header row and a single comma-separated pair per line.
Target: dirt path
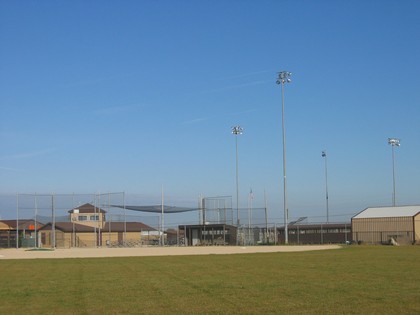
x,y
152,251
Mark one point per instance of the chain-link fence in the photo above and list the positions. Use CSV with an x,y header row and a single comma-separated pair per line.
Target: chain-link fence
x,y
384,237
77,220
89,220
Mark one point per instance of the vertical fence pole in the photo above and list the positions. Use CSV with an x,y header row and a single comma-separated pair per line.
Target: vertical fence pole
x,y
125,219
17,220
35,223
53,244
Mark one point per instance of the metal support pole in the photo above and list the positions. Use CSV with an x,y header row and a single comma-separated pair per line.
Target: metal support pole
x,y
393,177
35,223
394,142
53,243
284,77
17,220
162,221
237,184
324,154
285,206
237,130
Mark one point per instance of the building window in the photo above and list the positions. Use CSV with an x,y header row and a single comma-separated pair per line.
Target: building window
x,y
82,218
345,230
94,218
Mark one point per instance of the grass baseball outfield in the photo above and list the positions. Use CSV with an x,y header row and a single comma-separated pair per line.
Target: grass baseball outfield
x,y
212,280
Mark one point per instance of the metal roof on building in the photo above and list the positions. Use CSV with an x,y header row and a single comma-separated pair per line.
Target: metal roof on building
x,y
23,224
87,208
108,227
388,212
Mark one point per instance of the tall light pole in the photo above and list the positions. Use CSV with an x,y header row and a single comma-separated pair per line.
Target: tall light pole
x,y
324,155
394,142
284,77
237,130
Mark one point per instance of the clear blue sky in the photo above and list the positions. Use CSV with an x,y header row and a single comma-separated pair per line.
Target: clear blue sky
x,y
104,96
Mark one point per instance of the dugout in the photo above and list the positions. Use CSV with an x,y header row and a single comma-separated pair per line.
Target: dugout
x,y
208,234
325,233
387,225
23,230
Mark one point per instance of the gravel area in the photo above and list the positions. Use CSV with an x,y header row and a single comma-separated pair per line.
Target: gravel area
x,y
152,251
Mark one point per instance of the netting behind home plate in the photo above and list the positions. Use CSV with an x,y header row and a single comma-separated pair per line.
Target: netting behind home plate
x,y
219,210
216,210
79,220
251,223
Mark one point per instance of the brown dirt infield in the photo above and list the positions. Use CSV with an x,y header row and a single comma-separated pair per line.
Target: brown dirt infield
x,y
153,251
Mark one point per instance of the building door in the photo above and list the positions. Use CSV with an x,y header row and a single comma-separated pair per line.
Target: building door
x,y
44,239
120,238
195,239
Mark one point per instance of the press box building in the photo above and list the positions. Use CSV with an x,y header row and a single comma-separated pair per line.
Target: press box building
x,y
384,225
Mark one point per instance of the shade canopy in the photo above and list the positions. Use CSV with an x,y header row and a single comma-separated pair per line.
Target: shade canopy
x,y
157,208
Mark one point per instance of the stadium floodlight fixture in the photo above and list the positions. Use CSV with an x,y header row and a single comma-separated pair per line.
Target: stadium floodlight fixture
x,y
284,77
237,130
394,142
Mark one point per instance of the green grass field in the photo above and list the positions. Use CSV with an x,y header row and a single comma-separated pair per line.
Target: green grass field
x,y
352,280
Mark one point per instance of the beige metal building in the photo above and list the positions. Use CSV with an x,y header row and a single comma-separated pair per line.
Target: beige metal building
x,y
387,225
88,227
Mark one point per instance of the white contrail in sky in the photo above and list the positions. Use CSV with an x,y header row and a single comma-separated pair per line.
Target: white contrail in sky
x,y
247,74
27,154
236,86
194,121
117,109
10,169
198,120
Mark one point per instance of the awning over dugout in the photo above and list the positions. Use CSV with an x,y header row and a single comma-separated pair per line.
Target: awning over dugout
x,y
157,208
